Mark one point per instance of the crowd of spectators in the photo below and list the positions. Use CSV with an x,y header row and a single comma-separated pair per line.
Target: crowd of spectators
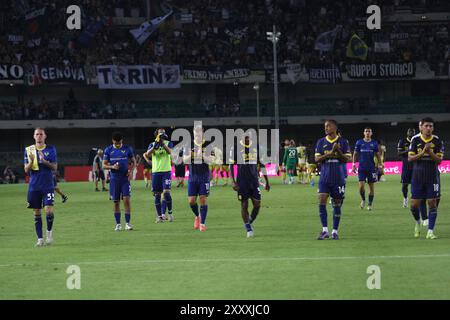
x,y
213,32
58,45
222,109
51,110
64,109
9,175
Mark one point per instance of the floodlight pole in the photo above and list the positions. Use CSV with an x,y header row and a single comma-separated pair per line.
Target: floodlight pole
x,y
256,88
274,36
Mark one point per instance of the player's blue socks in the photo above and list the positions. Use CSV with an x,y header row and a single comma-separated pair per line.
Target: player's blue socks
x,y
167,202
416,214
323,215
248,227
203,213
158,204
371,196
50,218
432,215
405,191
127,217
38,226
336,217
194,208
363,195
423,209
117,217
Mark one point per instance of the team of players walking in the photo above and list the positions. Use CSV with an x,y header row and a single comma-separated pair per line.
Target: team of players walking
x,y
422,153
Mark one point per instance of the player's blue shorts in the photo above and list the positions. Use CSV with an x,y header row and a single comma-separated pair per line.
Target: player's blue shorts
x,y
198,188
249,190
161,181
39,199
369,175
425,190
406,176
119,188
336,191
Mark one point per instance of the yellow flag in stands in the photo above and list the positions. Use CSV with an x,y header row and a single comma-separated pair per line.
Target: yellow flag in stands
x,y
357,48
32,150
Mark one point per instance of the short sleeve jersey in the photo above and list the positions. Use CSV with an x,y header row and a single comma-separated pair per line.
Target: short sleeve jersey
x,y
332,170
42,179
121,156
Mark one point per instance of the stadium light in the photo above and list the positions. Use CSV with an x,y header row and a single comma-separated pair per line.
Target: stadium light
x,y
256,88
274,37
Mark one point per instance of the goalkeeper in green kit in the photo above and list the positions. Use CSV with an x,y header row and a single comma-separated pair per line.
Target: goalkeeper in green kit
x,y
290,161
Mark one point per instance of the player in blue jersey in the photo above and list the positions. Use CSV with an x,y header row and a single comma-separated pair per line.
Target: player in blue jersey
x,y
407,167
199,178
40,161
426,151
116,158
247,181
344,165
332,152
159,154
366,150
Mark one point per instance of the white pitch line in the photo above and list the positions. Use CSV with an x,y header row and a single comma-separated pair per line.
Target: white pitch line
x,y
256,259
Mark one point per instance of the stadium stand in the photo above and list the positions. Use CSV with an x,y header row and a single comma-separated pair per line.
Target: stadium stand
x,y
217,36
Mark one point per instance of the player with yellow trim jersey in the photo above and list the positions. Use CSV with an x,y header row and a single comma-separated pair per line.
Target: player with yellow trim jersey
x,y
216,165
40,161
380,164
311,164
426,151
332,152
302,167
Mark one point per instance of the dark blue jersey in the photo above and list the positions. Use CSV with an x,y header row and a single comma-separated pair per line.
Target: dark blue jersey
x,y
366,153
246,158
121,156
41,176
403,146
332,170
425,169
198,168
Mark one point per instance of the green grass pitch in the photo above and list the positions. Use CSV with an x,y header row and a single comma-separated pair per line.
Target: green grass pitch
x,y
173,261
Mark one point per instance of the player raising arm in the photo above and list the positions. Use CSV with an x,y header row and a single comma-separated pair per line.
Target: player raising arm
x,y
247,181
199,178
159,154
